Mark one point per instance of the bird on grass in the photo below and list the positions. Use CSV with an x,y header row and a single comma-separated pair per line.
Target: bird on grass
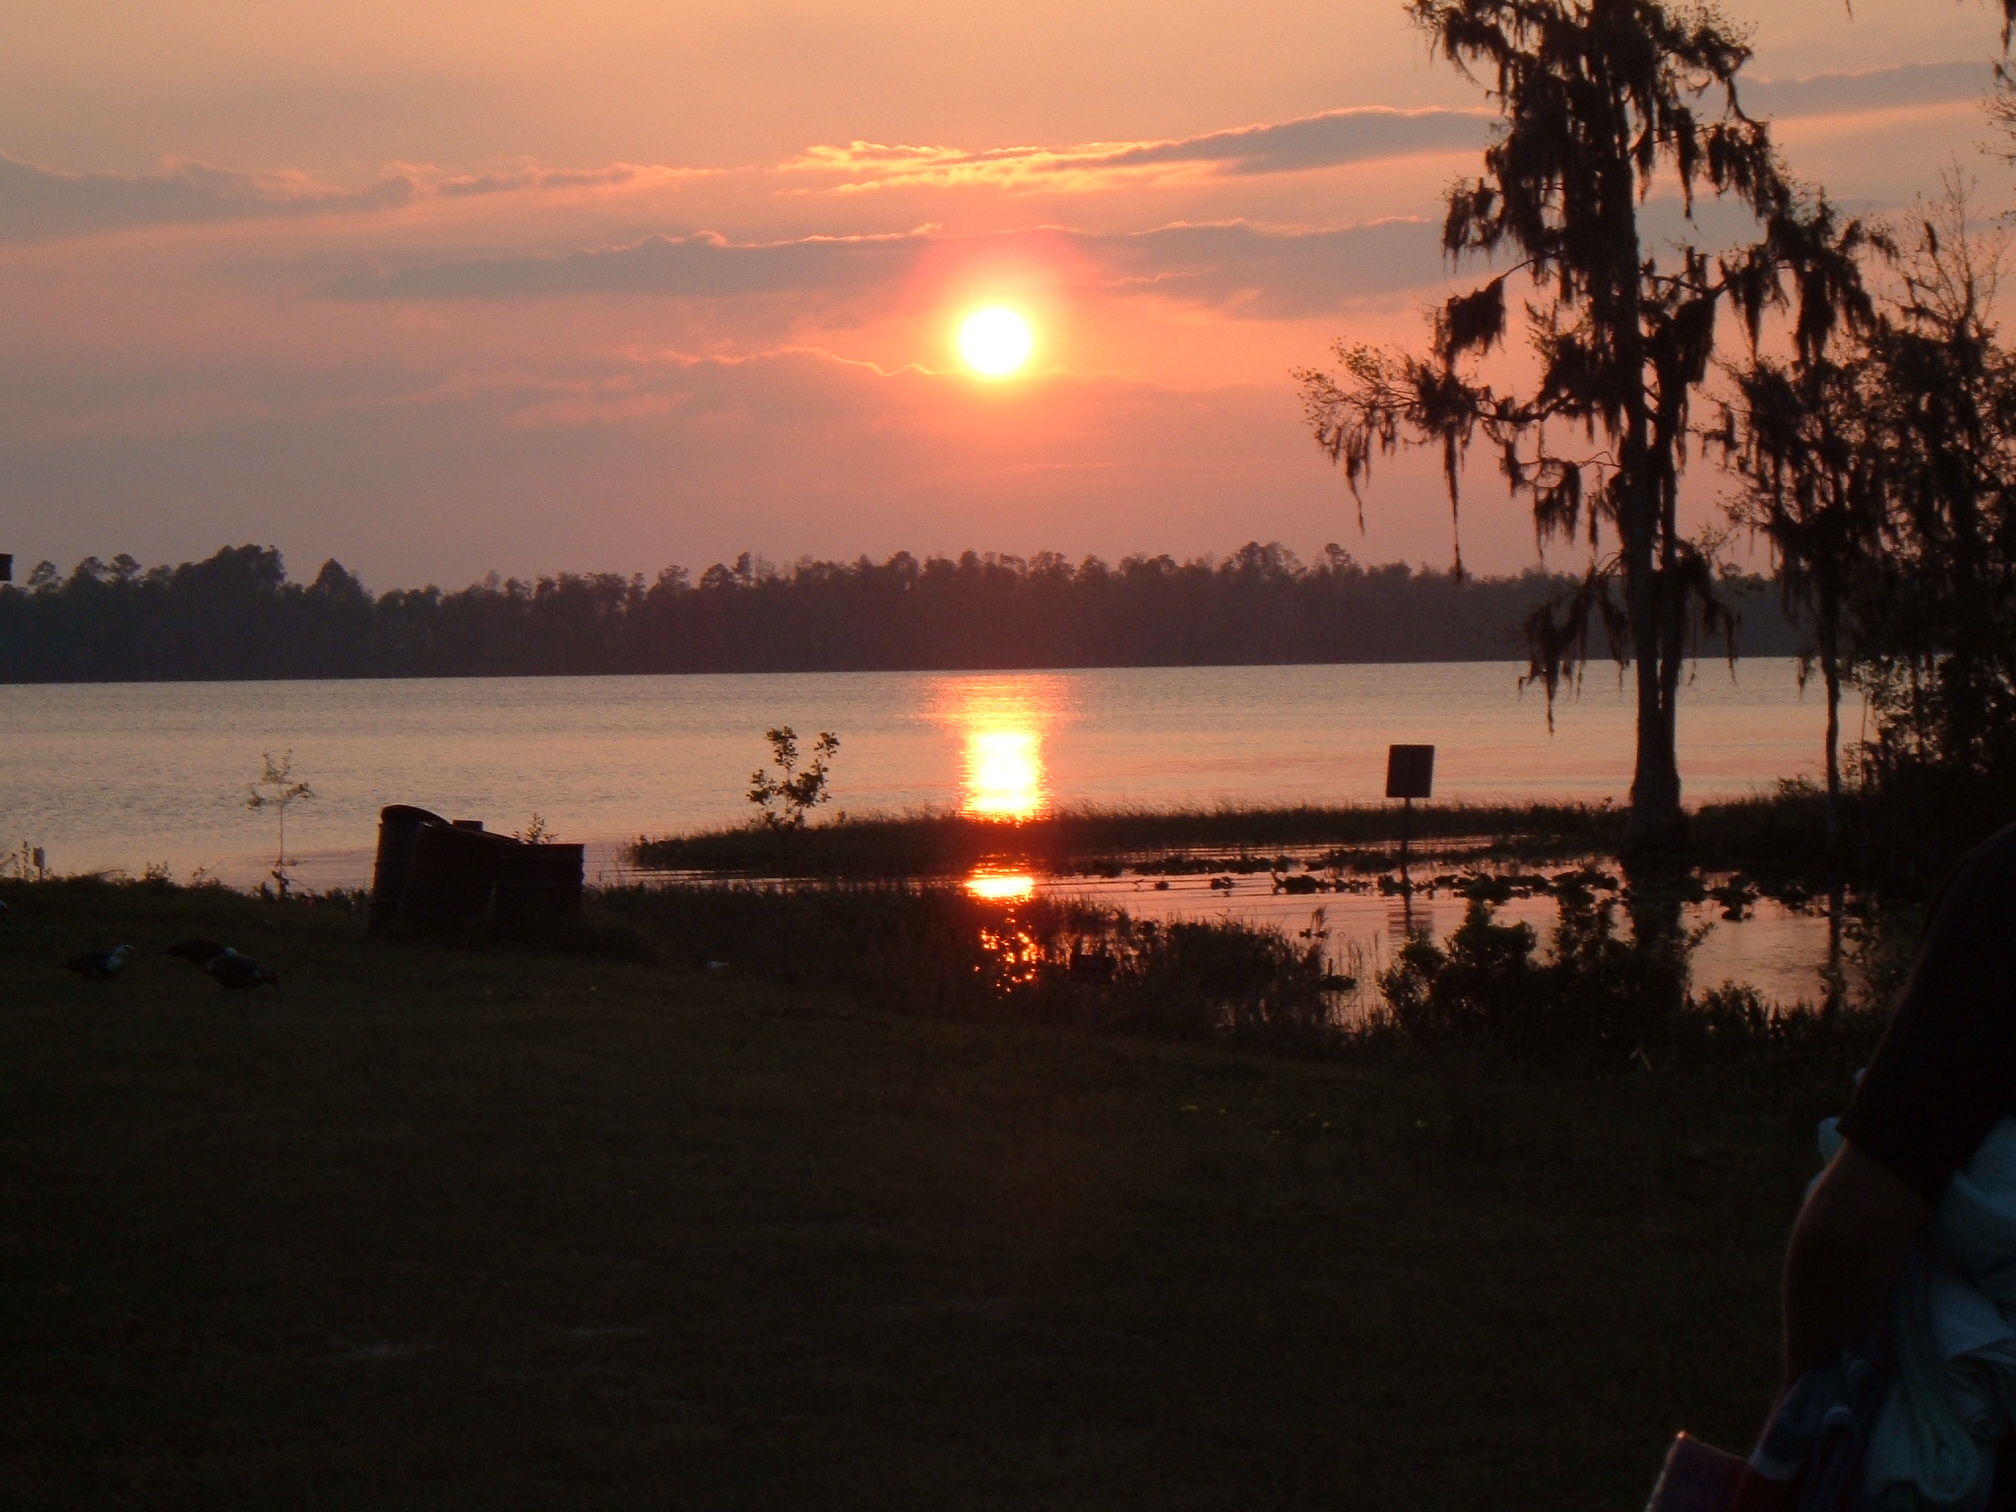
x,y
224,965
240,973
197,952
101,965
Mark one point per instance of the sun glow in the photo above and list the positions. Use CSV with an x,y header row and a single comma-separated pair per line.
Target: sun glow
x,y
996,341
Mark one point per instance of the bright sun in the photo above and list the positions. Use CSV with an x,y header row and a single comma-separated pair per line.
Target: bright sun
x,y
995,341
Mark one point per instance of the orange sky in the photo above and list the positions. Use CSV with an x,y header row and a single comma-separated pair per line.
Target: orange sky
x,y
439,288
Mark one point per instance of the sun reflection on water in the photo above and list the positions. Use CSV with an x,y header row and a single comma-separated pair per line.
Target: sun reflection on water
x,y
1001,886
1001,722
1016,953
1004,774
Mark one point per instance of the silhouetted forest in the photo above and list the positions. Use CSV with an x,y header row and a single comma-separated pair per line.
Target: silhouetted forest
x,y
236,615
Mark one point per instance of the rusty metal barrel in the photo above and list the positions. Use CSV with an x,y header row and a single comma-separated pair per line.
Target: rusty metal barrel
x,y
538,888
449,881
399,827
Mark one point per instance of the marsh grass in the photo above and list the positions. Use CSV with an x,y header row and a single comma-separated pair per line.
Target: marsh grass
x,y
1779,835
940,844
457,1227
937,951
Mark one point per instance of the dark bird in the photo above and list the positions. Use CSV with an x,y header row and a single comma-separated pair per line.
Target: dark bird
x,y
199,953
101,966
240,973
224,965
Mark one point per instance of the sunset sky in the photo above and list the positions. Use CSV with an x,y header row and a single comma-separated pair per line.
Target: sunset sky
x,y
439,288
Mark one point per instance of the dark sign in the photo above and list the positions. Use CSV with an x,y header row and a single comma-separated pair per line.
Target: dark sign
x,y
1410,771
6,567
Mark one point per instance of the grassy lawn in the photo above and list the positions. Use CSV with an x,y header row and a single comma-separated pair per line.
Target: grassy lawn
x,y
447,1228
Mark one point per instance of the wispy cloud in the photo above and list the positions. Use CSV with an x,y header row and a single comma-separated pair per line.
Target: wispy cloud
x,y
1328,140
1234,266
38,203
45,202
701,266
535,179
1257,272
1906,84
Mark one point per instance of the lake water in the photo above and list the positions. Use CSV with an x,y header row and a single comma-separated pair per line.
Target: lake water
x,y
115,777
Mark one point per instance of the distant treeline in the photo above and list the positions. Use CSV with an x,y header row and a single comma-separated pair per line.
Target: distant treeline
x,y
237,616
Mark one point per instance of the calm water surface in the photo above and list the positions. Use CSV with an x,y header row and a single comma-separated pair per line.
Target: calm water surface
x,y
117,777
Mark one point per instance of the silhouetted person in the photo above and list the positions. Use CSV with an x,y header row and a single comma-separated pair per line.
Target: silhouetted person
x,y
1942,1080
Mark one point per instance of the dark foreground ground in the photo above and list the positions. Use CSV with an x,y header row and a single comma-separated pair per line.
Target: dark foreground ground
x,y
441,1228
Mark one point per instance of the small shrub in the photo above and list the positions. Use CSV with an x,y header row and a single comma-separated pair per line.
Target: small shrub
x,y
277,788
1198,980
785,800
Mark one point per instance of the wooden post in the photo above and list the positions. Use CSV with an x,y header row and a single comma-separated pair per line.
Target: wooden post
x,y
1410,774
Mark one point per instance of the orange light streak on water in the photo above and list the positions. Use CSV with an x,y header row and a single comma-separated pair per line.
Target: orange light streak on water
x,y
1001,887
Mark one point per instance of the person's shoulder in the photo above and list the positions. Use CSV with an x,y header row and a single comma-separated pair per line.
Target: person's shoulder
x,y
1993,858
1982,883
2001,843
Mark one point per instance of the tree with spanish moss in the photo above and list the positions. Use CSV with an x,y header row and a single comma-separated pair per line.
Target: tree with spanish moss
x,y
1601,102
1805,440
1882,470
1940,667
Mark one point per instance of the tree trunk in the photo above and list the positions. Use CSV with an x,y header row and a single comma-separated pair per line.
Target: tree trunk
x,y
1830,672
1657,821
